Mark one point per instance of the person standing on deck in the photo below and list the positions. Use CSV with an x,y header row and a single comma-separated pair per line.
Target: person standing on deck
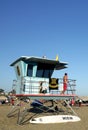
x,y
65,83
43,87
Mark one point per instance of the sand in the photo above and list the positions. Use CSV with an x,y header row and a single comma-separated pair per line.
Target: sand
x,y
11,123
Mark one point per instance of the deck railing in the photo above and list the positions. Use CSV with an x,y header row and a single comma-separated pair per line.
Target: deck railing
x,y
33,87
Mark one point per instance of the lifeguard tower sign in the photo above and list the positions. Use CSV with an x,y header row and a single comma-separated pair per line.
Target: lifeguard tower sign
x,y
53,83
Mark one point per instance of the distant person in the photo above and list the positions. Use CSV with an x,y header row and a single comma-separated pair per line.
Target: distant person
x,y
80,103
65,83
72,103
12,101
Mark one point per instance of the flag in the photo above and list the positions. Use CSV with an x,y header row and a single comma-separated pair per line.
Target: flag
x,y
57,58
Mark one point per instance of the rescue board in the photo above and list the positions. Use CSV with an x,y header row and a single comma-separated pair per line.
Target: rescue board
x,y
55,119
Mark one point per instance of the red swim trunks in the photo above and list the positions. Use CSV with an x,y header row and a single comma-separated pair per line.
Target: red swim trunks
x,y
65,87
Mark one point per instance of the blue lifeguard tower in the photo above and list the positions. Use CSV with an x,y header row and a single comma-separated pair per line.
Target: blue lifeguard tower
x,y
31,71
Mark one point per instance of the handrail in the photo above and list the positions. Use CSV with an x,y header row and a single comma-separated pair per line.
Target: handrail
x,y
34,86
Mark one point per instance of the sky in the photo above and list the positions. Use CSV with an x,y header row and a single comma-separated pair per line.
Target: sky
x,y
45,27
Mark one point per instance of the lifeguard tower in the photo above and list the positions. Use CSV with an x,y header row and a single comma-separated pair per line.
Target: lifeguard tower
x,y
30,73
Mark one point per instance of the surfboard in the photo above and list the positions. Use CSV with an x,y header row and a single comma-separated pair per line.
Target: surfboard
x,y
55,119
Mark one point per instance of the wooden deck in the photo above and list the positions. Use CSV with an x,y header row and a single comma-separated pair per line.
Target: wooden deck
x,y
47,96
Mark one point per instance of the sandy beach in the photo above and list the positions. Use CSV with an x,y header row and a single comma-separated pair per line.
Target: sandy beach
x,y
11,123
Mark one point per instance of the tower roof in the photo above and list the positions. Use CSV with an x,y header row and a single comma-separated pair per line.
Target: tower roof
x,y
58,65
